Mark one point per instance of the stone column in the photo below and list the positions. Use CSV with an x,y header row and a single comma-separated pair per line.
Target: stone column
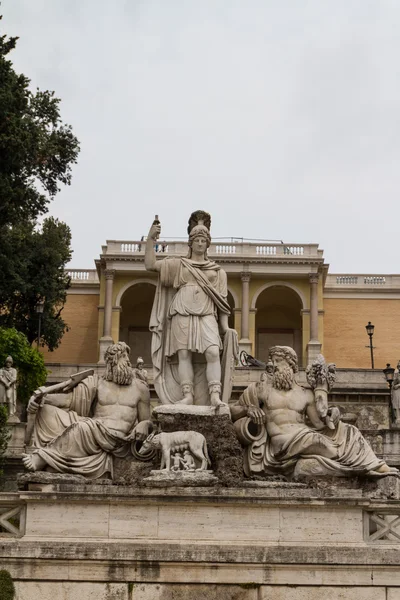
x,y
313,306
245,343
109,275
314,346
106,339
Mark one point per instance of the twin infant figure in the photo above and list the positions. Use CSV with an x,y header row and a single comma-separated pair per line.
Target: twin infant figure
x,y
186,463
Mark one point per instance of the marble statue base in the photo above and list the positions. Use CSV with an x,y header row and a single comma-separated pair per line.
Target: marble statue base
x,y
214,543
180,478
13,419
224,449
310,468
184,409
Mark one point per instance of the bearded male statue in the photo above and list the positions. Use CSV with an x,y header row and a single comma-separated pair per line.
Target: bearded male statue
x,y
79,431
285,426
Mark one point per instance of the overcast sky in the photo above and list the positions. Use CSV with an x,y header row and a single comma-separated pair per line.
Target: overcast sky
x,y
280,117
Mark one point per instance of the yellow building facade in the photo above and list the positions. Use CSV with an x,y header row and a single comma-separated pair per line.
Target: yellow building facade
x,y
278,293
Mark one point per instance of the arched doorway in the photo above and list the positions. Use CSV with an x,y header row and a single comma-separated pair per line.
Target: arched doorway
x,y
278,320
136,304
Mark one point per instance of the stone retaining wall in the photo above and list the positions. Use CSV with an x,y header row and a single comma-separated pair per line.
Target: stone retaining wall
x,y
258,542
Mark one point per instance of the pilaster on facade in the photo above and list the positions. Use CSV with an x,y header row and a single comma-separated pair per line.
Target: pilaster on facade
x,y
313,346
313,278
109,274
106,339
245,343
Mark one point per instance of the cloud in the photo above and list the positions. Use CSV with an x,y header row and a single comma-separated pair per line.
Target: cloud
x,y
281,119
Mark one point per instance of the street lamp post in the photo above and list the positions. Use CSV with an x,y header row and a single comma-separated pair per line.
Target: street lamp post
x,y
370,331
39,308
389,375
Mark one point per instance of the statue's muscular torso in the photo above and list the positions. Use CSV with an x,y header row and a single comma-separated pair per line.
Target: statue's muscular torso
x,y
284,411
117,405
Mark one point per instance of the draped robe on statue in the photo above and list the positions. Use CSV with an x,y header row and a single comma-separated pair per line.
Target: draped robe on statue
x,y
184,317
71,441
8,395
355,456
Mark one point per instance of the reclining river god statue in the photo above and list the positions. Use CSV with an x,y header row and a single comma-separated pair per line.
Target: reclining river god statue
x,y
290,429
78,432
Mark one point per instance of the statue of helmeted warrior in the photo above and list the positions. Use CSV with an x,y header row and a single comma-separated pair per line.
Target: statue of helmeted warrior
x,y
193,349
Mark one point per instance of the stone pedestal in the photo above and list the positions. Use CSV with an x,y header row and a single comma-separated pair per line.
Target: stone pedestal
x,y
104,342
313,349
192,410
281,541
16,443
246,345
180,478
215,424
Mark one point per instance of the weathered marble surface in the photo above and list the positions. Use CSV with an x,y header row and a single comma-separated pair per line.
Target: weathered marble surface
x,y
182,409
193,349
127,543
79,431
395,392
28,590
223,447
140,372
71,590
173,443
277,410
8,389
180,478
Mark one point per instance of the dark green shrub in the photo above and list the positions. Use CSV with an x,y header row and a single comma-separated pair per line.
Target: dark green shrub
x,y
7,589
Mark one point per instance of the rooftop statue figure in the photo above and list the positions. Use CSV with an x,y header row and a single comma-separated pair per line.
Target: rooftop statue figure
x,y
271,419
189,320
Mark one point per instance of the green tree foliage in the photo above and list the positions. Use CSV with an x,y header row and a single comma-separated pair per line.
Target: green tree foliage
x,y
4,436
32,267
35,146
7,588
27,360
36,154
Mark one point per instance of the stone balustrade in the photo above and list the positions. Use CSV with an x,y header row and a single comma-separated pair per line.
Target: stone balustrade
x,y
237,248
360,281
12,516
83,276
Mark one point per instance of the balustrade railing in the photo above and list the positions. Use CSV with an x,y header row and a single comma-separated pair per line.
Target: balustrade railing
x,y
224,249
12,519
362,281
239,248
382,526
375,280
346,280
82,275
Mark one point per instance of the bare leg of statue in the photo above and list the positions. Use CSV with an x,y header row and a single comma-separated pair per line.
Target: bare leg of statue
x,y
213,374
186,375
